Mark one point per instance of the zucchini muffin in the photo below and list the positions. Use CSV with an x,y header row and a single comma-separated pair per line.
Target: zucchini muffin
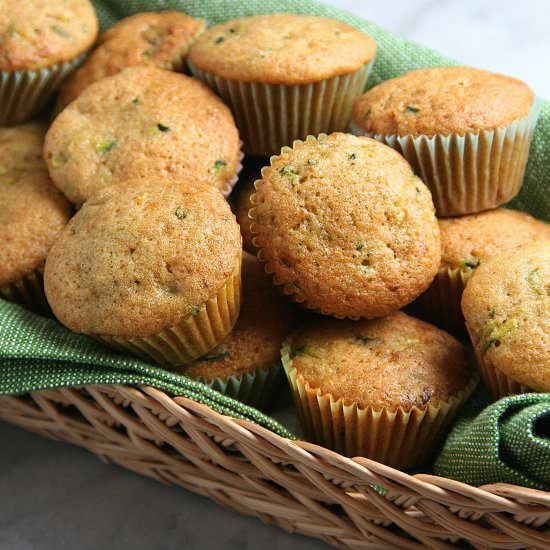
x,y
247,364
507,309
284,75
466,242
142,122
149,266
32,214
160,39
465,131
41,42
345,227
386,389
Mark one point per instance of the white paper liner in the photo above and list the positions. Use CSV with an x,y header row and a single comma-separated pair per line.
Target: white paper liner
x,y
270,116
471,172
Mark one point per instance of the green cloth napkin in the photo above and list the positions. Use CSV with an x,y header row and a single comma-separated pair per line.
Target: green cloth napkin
x,y
508,441
37,353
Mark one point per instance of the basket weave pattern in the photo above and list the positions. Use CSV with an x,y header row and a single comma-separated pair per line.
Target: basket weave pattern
x,y
297,485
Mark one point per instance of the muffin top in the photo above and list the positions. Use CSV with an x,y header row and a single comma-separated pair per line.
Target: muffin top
x,y
161,39
32,211
255,341
506,304
396,362
442,100
140,256
140,122
345,225
282,48
466,241
41,33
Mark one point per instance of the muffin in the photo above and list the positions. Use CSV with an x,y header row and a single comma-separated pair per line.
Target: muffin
x,y
247,364
386,389
251,172
284,75
465,243
41,42
32,214
507,309
465,131
151,267
142,122
160,39
345,227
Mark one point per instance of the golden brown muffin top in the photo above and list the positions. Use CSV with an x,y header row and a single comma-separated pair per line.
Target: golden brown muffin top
x,y
466,241
39,33
506,304
32,211
255,341
282,48
442,100
395,362
344,223
141,122
140,256
160,39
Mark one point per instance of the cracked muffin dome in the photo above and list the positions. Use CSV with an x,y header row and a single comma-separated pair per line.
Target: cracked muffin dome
x,y
345,226
142,122
442,100
506,305
32,211
160,39
141,256
41,33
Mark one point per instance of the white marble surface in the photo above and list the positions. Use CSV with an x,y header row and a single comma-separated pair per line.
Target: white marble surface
x,y
54,496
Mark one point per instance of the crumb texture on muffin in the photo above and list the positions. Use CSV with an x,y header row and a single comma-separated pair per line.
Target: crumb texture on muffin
x,y
282,48
161,39
41,33
345,226
466,241
140,256
141,122
506,304
32,211
443,100
394,362
255,341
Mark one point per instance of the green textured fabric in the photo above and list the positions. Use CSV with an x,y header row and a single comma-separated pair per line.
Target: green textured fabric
x,y
36,353
508,441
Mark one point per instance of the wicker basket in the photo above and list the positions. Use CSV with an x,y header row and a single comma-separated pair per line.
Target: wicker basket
x,y
299,486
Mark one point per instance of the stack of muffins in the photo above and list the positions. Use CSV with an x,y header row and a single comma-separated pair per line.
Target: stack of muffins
x,y
343,224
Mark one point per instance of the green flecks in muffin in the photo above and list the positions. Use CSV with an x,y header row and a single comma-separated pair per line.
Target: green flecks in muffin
x,y
61,31
180,213
59,160
288,171
163,127
195,310
359,246
216,356
535,281
219,40
413,110
136,101
472,263
313,162
403,342
232,30
305,350
496,332
106,146
219,164
491,314
367,114
352,157
367,340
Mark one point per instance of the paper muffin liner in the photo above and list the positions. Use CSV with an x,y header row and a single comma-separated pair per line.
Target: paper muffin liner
x,y
192,337
257,389
398,438
24,93
440,304
471,172
498,384
226,191
28,292
272,115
